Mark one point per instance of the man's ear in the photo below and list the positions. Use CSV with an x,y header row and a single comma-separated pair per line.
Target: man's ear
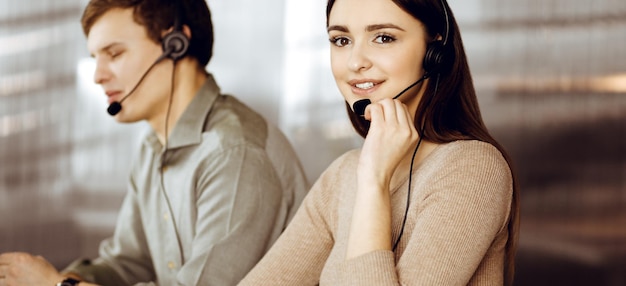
x,y
186,32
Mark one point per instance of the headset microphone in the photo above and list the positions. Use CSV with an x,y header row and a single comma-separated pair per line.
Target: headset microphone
x,y
360,105
116,106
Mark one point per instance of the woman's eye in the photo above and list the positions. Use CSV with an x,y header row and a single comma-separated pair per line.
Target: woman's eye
x,y
384,39
340,41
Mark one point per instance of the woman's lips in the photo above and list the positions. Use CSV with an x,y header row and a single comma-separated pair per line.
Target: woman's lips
x,y
364,87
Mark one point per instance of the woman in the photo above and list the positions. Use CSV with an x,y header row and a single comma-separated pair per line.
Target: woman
x,y
430,198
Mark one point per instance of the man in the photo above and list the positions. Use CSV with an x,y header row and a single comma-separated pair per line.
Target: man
x,y
212,186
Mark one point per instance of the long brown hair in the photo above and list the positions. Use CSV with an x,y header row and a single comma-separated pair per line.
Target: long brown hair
x,y
449,108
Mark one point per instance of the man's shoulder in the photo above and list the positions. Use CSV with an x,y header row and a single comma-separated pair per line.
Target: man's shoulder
x,y
235,123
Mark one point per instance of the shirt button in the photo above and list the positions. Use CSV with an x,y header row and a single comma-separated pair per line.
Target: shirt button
x,y
171,265
166,216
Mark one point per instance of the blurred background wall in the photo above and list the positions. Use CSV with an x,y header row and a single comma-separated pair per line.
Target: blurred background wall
x,y
550,76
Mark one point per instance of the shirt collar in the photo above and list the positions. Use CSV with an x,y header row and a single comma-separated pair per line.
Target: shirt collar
x,y
188,130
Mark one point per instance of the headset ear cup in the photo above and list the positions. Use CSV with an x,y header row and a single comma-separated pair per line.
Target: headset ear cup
x,y
434,59
175,45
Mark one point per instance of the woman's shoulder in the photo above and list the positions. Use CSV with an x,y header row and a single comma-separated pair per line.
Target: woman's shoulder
x,y
340,169
467,159
348,159
472,151
469,145
469,170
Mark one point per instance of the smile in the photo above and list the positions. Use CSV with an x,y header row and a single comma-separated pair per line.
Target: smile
x,y
365,85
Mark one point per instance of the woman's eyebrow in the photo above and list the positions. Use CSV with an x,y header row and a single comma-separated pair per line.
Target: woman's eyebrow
x,y
337,28
375,27
369,28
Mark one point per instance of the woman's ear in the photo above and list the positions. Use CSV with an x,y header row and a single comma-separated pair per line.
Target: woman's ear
x,y
430,39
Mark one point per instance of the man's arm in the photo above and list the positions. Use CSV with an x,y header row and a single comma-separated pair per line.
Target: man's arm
x,y
124,258
17,268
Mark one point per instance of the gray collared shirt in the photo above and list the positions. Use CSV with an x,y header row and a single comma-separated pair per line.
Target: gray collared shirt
x,y
229,183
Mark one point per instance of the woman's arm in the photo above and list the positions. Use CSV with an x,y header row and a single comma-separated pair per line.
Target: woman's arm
x,y
389,139
456,229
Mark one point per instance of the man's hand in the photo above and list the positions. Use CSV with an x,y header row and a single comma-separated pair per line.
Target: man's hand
x,y
18,268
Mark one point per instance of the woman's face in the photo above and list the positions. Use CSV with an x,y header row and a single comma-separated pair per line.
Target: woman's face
x,y
377,50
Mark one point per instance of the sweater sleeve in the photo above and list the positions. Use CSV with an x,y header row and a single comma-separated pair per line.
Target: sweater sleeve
x,y
454,224
299,255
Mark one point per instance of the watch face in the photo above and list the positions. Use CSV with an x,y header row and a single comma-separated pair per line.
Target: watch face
x,y
69,282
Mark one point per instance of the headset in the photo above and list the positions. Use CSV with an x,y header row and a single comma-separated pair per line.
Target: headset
x,y
174,44
436,61
437,58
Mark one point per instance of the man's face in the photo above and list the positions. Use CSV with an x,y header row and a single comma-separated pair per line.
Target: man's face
x,y
123,53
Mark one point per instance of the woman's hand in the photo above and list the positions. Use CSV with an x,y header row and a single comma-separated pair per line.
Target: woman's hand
x,y
388,141
391,135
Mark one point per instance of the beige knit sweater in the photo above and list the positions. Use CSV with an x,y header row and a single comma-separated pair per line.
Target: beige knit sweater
x,y
455,232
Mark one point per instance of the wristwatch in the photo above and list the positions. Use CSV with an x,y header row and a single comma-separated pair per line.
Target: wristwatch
x,y
68,282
